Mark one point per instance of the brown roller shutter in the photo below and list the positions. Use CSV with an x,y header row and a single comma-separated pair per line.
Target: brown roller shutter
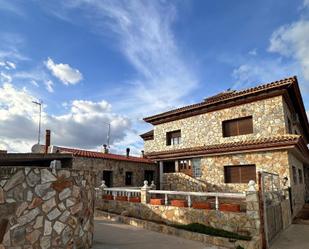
x,y
239,174
245,126
248,172
232,174
237,127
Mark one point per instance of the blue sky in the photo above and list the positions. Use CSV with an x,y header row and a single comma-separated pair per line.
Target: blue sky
x,y
94,62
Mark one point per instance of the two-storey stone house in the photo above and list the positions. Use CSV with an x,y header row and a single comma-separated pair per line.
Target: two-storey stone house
x,y
225,140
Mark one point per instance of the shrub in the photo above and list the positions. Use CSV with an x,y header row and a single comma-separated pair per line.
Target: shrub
x,y
200,228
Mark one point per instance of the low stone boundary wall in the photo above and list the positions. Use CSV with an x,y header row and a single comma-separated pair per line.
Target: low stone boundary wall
x,y
217,241
231,221
42,208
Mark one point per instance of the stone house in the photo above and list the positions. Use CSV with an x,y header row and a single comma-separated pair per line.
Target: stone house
x,y
223,142
116,170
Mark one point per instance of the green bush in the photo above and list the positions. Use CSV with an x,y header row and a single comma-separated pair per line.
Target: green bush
x,y
200,228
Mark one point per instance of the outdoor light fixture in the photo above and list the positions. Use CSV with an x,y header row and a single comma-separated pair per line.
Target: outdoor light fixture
x,y
285,180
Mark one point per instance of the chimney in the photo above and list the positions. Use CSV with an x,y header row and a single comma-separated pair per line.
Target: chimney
x,y
47,141
128,152
143,154
105,149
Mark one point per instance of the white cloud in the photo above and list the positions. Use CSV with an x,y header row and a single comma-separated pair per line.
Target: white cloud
x,y
82,125
5,78
11,64
292,41
262,71
253,52
64,72
143,31
49,86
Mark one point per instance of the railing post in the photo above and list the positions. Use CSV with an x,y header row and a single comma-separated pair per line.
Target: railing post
x,y
166,200
189,201
101,188
152,185
217,202
145,196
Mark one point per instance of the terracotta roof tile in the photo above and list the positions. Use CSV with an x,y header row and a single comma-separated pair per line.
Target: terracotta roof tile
x,y
252,144
225,96
94,154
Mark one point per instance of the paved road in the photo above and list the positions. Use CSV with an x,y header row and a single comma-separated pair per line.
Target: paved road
x,y
113,235
295,237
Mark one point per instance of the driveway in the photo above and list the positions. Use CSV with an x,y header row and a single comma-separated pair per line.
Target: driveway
x,y
295,237
114,235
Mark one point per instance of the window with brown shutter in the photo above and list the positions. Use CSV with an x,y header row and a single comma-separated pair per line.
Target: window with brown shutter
x,y
235,127
239,173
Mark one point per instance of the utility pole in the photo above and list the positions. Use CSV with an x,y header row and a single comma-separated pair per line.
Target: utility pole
x,y
39,103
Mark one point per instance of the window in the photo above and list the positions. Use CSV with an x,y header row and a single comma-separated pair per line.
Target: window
x,y
300,176
173,137
196,164
235,127
289,126
128,180
239,174
294,174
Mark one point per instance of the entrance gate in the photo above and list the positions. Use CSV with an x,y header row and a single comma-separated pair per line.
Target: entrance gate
x,y
271,197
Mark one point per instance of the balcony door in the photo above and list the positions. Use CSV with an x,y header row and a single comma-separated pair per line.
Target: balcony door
x,y
185,167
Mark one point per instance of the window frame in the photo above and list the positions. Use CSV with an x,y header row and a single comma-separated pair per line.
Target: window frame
x,y
239,167
236,122
172,138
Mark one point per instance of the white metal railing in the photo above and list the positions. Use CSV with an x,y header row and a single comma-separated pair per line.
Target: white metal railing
x,y
128,192
216,195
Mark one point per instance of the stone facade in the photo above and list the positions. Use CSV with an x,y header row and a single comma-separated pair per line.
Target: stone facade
x,y
182,182
42,208
268,120
269,161
118,168
298,188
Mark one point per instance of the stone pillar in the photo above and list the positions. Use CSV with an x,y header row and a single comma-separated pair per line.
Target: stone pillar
x,y
161,174
145,196
176,166
253,208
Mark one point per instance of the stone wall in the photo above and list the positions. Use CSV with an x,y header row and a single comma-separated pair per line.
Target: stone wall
x,y
183,182
298,189
230,221
43,209
119,169
268,120
270,161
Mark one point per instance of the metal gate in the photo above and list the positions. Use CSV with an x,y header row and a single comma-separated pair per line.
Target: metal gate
x,y
271,197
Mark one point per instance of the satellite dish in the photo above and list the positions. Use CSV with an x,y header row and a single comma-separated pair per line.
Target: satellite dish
x,y
37,148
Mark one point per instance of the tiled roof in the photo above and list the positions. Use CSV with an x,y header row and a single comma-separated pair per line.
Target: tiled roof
x,y
147,135
253,144
94,154
225,96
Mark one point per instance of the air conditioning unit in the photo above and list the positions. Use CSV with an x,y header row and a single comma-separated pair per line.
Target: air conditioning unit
x,y
295,118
